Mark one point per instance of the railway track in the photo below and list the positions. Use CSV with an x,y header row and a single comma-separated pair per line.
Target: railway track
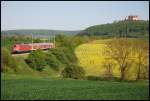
x,y
22,54
25,54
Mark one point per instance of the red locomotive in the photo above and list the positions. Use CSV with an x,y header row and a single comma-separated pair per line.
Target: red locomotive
x,y
17,48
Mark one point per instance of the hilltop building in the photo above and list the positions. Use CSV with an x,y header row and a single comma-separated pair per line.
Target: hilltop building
x,y
133,17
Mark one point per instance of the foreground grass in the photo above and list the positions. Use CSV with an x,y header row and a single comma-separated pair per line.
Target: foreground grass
x,y
51,89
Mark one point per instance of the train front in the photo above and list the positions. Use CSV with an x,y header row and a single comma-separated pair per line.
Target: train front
x,y
15,48
19,48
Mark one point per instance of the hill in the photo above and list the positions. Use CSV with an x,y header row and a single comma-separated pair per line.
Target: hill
x,y
138,28
37,33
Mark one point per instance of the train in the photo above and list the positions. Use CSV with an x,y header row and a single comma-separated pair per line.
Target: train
x,y
21,48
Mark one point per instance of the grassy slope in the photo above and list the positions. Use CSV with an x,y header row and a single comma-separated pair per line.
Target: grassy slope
x,y
18,87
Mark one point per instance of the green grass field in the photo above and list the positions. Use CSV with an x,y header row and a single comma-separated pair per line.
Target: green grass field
x,y
16,87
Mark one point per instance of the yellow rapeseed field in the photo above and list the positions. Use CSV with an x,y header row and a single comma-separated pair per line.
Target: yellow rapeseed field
x,y
91,56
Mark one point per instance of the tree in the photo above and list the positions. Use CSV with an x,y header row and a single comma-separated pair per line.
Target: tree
x,y
108,65
62,40
142,54
119,29
120,51
67,46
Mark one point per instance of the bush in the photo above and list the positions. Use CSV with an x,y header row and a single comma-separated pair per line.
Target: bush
x,y
36,60
7,62
60,55
23,67
73,71
69,54
53,62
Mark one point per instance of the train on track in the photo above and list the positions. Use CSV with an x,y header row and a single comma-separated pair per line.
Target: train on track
x,y
21,48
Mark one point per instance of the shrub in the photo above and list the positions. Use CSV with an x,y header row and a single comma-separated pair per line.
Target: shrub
x,y
53,62
70,54
23,67
36,60
7,61
60,55
73,71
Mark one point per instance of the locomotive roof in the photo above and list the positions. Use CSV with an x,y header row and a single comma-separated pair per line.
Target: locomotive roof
x,y
36,44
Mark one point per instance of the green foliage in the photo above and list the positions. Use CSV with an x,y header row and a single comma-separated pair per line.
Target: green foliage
x,y
23,67
70,42
77,40
15,65
7,61
119,29
36,60
52,61
37,40
68,45
63,41
55,59
60,55
69,54
19,39
73,71
7,42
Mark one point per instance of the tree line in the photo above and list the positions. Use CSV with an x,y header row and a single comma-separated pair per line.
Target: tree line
x,y
126,28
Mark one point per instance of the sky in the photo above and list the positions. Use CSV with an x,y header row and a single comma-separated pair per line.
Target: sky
x,y
67,15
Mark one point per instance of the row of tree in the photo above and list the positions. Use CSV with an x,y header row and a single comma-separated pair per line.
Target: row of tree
x,y
138,28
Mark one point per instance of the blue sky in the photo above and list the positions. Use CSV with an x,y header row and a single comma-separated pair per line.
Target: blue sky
x,y
67,15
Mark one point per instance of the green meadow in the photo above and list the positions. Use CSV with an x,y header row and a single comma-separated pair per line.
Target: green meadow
x,y
17,87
